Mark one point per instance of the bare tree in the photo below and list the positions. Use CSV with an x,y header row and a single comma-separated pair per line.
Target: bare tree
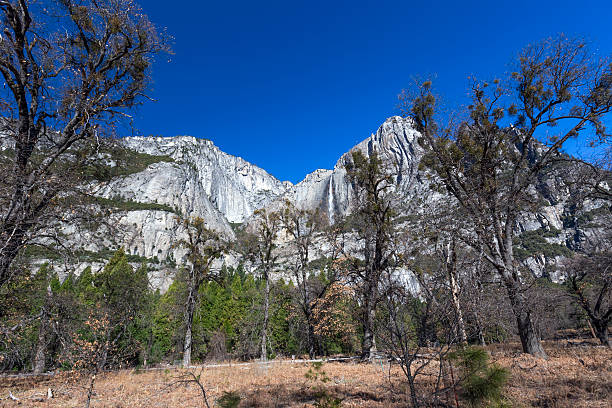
x,y
594,180
409,322
72,70
433,234
203,246
261,247
492,170
302,225
589,284
373,221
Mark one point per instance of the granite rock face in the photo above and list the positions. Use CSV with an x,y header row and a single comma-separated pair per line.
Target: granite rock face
x,y
225,190
395,142
201,181
233,186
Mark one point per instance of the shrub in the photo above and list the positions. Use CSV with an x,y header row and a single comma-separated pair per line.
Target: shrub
x,y
481,383
319,378
229,399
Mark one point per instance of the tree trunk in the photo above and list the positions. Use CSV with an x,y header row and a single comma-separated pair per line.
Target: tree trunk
x,y
451,265
310,335
481,337
11,244
90,389
41,351
102,361
588,320
189,310
530,340
264,334
187,347
413,396
308,311
40,358
601,330
311,340
459,314
368,346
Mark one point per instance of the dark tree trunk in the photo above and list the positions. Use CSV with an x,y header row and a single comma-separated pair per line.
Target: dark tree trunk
x,y
11,244
264,334
90,390
311,336
601,330
413,396
104,356
368,346
530,339
307,310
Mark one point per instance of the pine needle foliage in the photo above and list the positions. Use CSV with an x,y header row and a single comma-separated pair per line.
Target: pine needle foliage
x,y
229,399
481,383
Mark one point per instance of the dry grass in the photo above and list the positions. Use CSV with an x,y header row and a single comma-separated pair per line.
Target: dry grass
x,y
574,376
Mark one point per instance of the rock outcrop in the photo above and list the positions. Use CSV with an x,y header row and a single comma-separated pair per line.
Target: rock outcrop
x,y
233,186
395,142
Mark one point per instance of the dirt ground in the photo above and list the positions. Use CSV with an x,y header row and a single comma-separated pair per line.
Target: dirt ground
x,y
575,375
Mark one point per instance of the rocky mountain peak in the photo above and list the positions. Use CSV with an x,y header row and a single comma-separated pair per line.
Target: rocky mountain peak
x,y
396,141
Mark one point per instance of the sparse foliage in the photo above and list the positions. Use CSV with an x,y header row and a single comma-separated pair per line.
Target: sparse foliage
x,y
491,169
72,70
203,247
589,284
302,225
373,219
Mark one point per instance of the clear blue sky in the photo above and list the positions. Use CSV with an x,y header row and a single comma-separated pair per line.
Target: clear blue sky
x,y
291,85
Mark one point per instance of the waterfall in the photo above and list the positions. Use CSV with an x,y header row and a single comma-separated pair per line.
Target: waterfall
x,y
330,200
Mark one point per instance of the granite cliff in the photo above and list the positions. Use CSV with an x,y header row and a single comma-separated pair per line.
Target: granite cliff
x,y
196,178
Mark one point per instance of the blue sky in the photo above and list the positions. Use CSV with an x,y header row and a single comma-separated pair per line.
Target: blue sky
x,y
291,85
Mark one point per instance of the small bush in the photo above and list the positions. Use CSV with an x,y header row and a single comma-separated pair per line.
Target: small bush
x,y
229,399
481,383
315,373
319,378
328,401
